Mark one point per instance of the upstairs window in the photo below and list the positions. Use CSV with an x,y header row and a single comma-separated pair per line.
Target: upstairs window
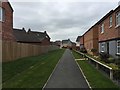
x,y
102,28
118,47
110,21
118,19
2,14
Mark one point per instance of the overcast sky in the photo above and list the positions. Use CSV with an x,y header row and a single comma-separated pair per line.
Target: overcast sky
x,y
61,19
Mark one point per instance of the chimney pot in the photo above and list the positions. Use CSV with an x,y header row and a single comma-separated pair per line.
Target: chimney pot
x,y
23,28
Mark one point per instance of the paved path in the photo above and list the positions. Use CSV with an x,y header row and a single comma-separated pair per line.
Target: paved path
x,y
67,74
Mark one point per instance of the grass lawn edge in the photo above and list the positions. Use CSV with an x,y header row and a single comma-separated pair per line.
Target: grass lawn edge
x,y
52,73
81,70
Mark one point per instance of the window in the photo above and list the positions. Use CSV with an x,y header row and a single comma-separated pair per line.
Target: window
x,y
118,47
1,14
110,21
102,28
103,47
118,19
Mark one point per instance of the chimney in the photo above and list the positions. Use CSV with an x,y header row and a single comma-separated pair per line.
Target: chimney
x,y
29,30
23,28
45,32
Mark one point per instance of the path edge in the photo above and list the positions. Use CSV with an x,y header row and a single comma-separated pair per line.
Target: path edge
x,y
52,72
82,72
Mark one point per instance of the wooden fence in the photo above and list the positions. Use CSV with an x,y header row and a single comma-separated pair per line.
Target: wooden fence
x,y
13,50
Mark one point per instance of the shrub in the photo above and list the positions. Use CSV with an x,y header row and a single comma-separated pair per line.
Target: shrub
x,y
93,50
83,50
116,74
111,60
104,56
117,62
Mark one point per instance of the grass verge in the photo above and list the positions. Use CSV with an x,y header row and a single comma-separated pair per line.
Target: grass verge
x,y
76,55
31,72
95,78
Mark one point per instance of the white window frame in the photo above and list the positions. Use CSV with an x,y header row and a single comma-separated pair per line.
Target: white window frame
x,y
118,52
110,21
0,13
102,28
117,16
2,17
102,47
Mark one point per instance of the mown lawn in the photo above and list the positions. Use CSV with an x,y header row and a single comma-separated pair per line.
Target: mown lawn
x,y
76,55
30,72
96,78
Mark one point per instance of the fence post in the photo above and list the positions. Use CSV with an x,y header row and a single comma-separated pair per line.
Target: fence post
x,y
111,74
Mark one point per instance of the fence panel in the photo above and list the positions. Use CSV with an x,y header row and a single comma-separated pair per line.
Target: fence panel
x,y
13,50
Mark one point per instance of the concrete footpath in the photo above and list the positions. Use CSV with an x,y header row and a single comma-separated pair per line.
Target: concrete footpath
x,y
67,74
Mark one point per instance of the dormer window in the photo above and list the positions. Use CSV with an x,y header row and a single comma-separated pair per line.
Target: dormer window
x,y
2,14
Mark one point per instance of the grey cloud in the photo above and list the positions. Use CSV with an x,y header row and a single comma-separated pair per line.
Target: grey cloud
x,y
60,20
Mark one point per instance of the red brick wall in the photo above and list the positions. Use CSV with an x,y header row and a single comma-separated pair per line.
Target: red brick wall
x,y
82,40
7,24
109,32
45,42
91,39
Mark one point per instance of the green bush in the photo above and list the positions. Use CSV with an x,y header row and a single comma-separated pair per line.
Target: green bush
x,y
83,50
116,74
93,50
104,56
117,62
111,60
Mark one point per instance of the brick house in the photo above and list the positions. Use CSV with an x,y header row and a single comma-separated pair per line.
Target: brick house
x,y
91,39
57,43
31,37
78,43
109,33
66,44
6,21
42,36
74,45
81,42
22,37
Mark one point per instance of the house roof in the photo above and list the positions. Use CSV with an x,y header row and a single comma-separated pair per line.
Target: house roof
x,y
22,36
39,35
73,43
66,41
31,36
78,38
102,19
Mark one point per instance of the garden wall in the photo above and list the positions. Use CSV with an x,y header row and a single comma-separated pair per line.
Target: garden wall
x,y
13,50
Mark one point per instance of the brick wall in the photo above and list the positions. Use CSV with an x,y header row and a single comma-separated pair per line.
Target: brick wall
x,y
82,40
91,39
45,42
109,32
7,24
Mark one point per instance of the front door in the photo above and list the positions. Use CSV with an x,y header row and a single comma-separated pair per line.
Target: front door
x,y
107,47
